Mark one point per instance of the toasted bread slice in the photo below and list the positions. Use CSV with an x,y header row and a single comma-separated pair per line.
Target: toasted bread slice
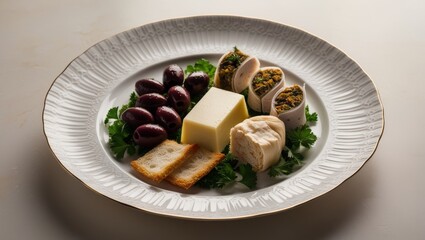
x,y
159,162
194,168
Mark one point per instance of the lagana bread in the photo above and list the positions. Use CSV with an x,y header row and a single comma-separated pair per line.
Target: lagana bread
x,y
162,160
258,141
194,168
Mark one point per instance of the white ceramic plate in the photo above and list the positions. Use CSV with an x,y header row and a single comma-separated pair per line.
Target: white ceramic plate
x,y
349,128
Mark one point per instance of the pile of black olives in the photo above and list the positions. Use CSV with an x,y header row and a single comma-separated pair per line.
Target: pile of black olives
x,y
159,105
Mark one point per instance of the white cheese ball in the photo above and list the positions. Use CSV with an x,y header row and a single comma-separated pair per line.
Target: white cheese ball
x,y
258,141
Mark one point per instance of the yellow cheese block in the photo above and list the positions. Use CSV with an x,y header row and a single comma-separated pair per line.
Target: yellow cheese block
x,y
210,121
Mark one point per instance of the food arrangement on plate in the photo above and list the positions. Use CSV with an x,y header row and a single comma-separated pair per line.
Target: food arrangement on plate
x,y
103,77
216,126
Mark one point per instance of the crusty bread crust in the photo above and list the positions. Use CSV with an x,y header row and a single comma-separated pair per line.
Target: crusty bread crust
x,y
140,164
185,177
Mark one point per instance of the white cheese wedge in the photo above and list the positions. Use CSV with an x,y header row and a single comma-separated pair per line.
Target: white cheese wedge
x,y
208,124
258,141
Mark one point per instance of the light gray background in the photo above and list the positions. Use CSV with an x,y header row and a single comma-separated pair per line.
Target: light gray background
x,y
40,200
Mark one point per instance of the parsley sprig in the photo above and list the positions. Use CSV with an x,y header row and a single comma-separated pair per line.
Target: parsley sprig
x,y
297,140
204,66
120,134
229,171
311,117
301,136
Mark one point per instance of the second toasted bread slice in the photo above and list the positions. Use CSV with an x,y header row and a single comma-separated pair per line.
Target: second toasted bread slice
x,y
159,162
194,168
